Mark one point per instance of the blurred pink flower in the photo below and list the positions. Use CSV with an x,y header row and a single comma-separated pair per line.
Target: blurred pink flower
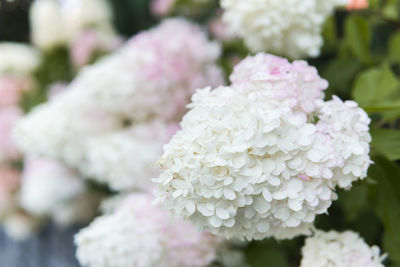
x,y
8,118
9,181
220,30
357,4
88,43
161,7
11,89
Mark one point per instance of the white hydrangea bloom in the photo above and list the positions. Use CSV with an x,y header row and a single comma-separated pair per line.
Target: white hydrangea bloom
x,y
334,249
347,125
56,23
154,75
59,129
125,160
236,167
287,27
47,26
81,14
18,58
50,189
249,162
141,234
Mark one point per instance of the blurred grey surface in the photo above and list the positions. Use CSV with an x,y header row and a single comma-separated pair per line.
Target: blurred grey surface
x,y
51,247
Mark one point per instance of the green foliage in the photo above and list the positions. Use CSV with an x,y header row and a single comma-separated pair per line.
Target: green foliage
x,y
387,142
384,197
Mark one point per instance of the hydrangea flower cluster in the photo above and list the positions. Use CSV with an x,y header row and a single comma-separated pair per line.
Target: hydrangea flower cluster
x,y
137,92
151,76
334,249
289,27
121,158
50,189
138,233
252,162
60,23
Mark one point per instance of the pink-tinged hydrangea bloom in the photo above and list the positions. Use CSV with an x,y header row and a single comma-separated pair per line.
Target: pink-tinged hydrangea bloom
x,y
334,249
9,181
251,163
8,118
50,189
151,77
357,4
125,160
138,233
154,75
296,83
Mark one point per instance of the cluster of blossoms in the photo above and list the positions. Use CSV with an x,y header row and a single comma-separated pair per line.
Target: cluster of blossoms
x,y
146,85
262,157
42,188
84,25
286,27
333,249
138,233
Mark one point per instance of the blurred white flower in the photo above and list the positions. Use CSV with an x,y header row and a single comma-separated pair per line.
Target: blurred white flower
x,y
47,26
249,162
60,128
59,23
50,189
20,226
138,233
125,160
334,249
18,59
79,15
287,27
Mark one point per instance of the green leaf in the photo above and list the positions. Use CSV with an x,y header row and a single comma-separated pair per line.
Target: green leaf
x,y
340,74
353,201
394,47
357,37
387,142
381,107
375,85
385,199
265,253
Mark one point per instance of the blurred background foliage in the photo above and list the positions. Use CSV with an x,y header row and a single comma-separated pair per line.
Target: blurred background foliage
x,y
361,61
